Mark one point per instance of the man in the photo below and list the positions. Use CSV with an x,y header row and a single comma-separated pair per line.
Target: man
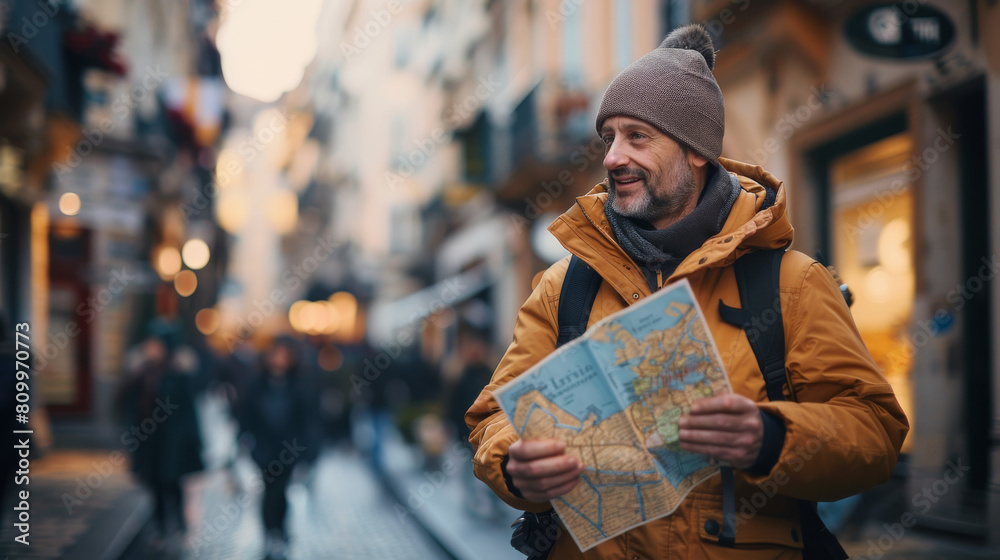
x,y
671,208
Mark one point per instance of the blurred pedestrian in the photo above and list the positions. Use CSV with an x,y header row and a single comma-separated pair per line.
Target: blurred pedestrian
x,y
279,408
473,352
233,376
476,365
163,435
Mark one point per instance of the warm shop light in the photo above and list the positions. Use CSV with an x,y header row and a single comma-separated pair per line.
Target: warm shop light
x,y
207,321
346,306
879,285
894,246
332,317
168,262
295,315
195,254
185,283
314,315
69,204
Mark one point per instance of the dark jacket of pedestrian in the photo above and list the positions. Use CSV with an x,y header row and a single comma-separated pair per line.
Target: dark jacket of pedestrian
x,y
162,431
280,408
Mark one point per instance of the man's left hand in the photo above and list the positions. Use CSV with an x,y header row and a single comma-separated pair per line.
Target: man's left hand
x,y
727,427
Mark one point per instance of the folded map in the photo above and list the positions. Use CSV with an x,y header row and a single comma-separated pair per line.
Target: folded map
x,y
614,395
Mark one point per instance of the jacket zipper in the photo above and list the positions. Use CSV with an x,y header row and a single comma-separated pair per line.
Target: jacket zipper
x,y
659,278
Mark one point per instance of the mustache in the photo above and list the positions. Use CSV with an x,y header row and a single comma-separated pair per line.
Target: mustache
x,y
626,172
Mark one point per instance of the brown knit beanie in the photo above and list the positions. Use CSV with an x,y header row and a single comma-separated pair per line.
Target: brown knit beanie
x,y
673,89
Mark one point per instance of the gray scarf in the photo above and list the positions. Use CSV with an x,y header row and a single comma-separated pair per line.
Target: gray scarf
x,y
662,250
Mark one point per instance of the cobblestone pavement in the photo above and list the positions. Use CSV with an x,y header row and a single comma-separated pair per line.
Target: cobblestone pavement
x,y
344,513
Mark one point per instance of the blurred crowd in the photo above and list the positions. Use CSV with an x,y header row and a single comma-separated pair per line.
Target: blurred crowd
x,y
287,406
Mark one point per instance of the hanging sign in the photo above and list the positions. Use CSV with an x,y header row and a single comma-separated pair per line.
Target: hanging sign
x,y
901,30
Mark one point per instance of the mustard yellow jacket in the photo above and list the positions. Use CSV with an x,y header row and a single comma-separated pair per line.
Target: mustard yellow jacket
x,y
844,427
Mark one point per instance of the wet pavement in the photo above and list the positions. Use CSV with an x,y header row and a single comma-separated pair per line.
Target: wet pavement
x,y
446,500
342,513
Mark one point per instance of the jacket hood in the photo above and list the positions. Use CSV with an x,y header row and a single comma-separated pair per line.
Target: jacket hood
x,y
584,231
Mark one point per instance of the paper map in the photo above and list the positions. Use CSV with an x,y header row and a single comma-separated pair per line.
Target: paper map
x,y
614,395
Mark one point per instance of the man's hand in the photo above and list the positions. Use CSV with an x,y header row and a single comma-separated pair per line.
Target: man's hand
x,y
541,470
727,427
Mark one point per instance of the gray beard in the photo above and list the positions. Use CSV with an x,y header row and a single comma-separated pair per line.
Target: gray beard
x,y
652,207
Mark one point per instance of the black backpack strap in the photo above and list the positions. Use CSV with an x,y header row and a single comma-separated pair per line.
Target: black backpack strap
x,y
579,290
758,279
757,276
727,537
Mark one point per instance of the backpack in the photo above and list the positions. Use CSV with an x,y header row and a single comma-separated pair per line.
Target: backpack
x,y
757,278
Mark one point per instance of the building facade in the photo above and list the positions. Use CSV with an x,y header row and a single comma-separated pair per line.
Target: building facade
x,y
102,148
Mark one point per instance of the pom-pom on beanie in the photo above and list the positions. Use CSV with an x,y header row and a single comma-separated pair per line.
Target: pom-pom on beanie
x,y
673,89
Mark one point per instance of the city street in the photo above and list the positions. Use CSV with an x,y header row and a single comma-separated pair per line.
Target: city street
x,y
278,279
339,510
344,514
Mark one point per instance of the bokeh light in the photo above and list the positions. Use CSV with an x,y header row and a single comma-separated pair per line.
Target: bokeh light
x,y
283,211
168,262
196,254
185,283
207,321
251,64
330,358
346,306
233,210
69,204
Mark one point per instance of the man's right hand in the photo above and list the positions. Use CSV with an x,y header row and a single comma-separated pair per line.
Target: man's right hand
x,y
541,470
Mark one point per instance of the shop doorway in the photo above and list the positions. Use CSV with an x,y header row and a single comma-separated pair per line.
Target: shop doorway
x,y
871,213
865,230
906,224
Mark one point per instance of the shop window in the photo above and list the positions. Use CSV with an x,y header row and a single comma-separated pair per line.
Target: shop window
x,y
61,375
871,240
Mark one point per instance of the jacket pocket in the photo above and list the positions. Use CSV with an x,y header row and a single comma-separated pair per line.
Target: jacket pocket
x,y
758,531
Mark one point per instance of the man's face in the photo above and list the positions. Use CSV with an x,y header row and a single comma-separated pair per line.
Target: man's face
x,y
650,175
